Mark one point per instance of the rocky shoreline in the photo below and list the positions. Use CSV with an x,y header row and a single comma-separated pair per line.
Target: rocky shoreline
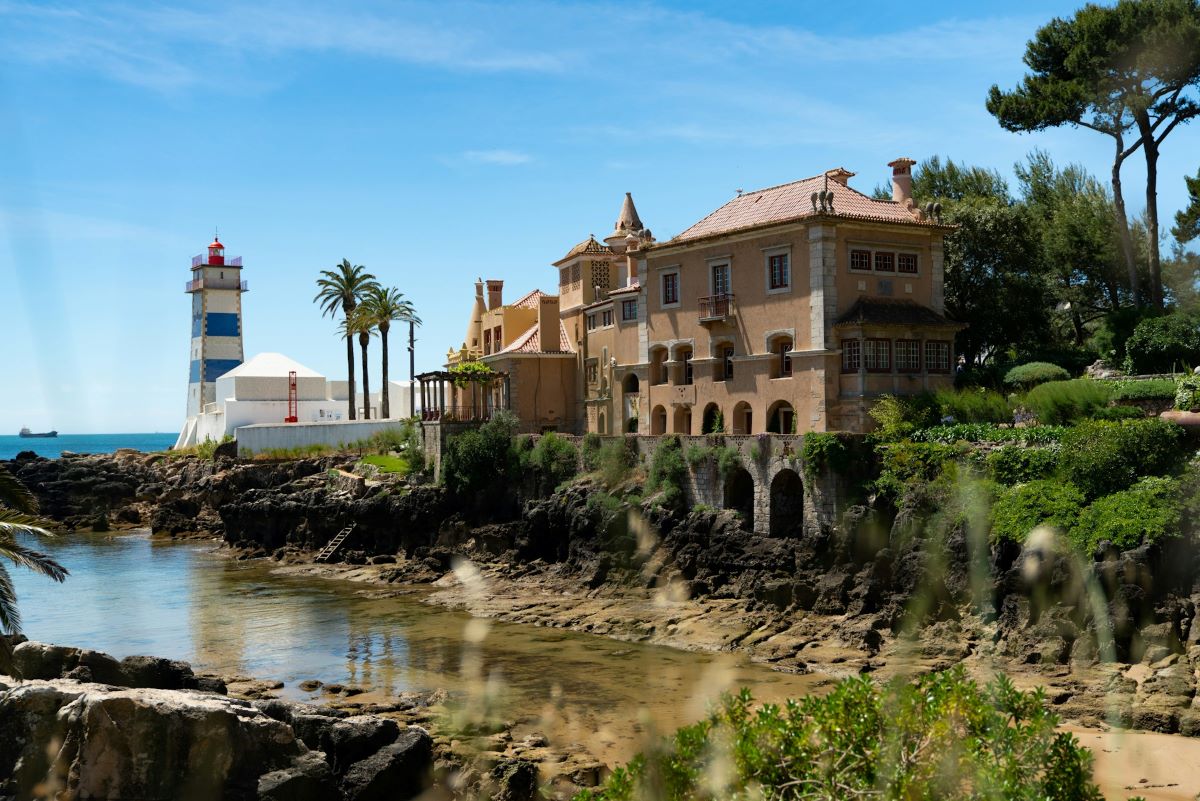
x,y
866,595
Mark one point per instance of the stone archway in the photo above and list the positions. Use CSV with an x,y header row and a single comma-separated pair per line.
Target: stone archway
x,y
787,504
739,495
658,420
742,423
682,423
781,418
714,421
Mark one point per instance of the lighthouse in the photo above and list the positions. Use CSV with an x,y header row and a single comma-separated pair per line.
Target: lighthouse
x,y
216,289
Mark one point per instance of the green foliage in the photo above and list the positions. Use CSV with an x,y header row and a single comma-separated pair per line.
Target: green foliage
x,y
902,463
478,460
1013,464
1187,394
716,424
696,454
590,450
208,449
614,461
1118,413
987,432
19,515
1148,511
1062,402
940,737
466,373
1187,219
1102,457
1146,389
893,416
974,405
1163,344
822,450
1020,509
668,472
1034,373
397,465
553,460
728,459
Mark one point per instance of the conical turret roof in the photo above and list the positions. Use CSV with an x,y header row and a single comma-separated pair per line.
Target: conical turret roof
x,y
629,220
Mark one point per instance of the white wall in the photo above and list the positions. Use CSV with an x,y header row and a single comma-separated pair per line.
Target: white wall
x,y
257,438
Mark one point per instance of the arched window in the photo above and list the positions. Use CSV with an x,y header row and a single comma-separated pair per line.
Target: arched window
x,y
781,418
714,421
743,420
658,420
683,420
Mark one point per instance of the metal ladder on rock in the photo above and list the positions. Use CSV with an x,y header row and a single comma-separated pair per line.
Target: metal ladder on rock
x,y
332,546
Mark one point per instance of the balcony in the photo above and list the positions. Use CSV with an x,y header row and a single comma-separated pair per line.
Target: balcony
x,y
716,308
199,283
202,261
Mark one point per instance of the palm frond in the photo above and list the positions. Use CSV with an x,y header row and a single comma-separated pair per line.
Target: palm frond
x,y
14,494
10,616
30,559
14,522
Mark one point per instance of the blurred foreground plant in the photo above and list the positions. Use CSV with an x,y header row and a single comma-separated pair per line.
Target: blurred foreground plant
x,y
940,737
18,515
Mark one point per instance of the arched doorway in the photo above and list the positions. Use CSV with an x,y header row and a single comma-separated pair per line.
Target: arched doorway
x,y
631,402
739,495
602,425
787,504
658,420
781,418
630,385
743,420
714,421
683,421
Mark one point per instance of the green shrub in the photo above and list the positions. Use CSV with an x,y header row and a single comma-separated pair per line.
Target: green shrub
x,y
1103,457
553,459
480,459
894,416
1118,413
728,459
590,450
989,432
1034,373
1020,509
668,472
1148,511
822,450
696,454
614,461
941,736
1163,344
1149,389
973,405
1187,394
1013,464
397,465
1062,402
905,462
208,448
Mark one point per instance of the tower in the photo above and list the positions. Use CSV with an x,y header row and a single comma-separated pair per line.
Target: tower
x,y
216,289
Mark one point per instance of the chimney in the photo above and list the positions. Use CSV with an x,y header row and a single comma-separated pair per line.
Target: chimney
x,y
902,180
495,293
840,175
548,324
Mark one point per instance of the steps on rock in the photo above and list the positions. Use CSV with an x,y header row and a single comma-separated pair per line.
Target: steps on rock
x,y
332,546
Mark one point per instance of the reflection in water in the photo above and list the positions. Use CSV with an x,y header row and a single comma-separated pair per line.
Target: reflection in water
x,y
130,595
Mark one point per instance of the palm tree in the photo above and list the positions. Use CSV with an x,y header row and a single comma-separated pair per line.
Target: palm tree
x,y
341,289
385,307
361,322
18,515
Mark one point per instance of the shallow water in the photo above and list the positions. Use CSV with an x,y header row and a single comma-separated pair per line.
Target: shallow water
x,y
129,594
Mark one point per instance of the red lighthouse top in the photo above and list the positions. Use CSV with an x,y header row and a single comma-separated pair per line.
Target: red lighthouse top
x,y
216,252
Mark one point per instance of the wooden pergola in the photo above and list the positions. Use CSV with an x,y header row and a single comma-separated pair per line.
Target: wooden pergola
x,y
442,395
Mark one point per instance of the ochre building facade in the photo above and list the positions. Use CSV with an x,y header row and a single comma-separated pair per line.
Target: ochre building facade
x,y
786,310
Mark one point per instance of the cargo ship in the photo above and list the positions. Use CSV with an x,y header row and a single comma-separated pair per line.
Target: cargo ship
x,y
26,433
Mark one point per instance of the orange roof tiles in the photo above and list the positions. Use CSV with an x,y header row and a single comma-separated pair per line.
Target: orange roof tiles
x,y
531,342
793,201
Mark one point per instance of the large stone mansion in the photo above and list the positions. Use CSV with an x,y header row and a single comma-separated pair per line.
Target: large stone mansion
x,y
786,310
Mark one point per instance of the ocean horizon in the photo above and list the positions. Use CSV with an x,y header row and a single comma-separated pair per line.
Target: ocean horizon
x,y
52,447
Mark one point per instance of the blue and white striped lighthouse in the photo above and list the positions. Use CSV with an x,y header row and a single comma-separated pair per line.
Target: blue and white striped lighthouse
x,y
216,289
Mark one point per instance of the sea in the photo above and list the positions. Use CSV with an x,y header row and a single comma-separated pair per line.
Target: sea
x,y
52,447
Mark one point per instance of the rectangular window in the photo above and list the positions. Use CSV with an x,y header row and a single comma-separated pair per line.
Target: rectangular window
x,y
908,355
785,358
877,354
720,279
937,356
860,260
885,262
496,340
606,318
575,273
851,355
687,367
778,272
591,322
906,263
670,288
592,372
727,362
487,341
564,277
629,310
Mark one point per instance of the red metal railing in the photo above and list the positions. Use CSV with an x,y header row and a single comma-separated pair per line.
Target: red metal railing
x,y
716,307
202,260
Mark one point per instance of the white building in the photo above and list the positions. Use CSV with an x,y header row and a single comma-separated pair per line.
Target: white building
x,y
257,392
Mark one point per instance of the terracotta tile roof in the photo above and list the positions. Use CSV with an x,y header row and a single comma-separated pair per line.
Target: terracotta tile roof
x,y
589,245
634,287
893,311
529,300
793,201
531,342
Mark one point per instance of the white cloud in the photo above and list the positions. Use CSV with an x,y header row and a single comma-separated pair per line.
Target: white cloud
x,y
505,158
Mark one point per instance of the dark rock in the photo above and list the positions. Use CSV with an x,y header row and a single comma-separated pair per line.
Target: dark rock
x,y
309,779
354,738
514,780
395,773
37,660
152,671
103,668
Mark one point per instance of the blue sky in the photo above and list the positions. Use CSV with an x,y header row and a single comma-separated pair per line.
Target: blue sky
x,y
434,143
